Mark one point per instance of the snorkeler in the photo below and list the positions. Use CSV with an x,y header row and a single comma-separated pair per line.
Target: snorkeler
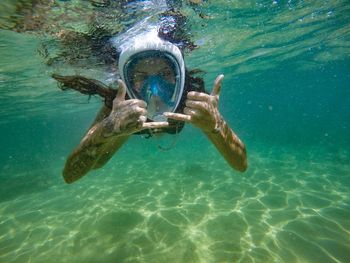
x,y
156,94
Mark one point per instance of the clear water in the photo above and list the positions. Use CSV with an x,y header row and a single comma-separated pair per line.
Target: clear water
x,y
286,93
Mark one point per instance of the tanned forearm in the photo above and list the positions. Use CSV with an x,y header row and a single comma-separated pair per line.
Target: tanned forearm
x,y
93,152
229,145
109,132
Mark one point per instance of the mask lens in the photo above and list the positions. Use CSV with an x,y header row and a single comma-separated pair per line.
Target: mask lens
x,y
154,79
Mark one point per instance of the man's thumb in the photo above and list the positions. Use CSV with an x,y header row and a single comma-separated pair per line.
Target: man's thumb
x,y
121,90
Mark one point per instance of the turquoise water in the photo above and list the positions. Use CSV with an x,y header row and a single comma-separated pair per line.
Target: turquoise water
x,y
286,93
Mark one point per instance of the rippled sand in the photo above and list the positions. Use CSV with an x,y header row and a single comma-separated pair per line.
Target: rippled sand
x,y
286,208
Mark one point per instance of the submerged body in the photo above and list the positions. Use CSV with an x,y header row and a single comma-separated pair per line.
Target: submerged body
x,y
113,127
156,94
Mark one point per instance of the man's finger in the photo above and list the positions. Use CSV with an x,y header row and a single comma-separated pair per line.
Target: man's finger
x,y
177,116
192,112
155,125
134,102
121,90
200,96
217,85
200,105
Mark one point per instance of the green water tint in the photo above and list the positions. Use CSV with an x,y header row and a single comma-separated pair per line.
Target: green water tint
x,y
286,94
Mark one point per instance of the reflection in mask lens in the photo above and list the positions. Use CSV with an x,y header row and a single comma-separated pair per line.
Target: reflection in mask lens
x,y
157,86
158,94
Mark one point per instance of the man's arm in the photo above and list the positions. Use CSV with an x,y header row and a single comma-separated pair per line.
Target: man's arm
x,y
202,111
108,133
230,146
93,151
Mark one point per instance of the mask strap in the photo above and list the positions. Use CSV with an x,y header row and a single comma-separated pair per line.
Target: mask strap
x,y
171,145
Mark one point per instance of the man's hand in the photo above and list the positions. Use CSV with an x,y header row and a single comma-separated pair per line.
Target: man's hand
x,y
202,109
128,116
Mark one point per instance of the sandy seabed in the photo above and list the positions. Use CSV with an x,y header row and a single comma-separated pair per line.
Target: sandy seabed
x,y
286,208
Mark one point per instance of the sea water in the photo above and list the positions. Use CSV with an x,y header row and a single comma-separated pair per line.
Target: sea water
x,y
285,93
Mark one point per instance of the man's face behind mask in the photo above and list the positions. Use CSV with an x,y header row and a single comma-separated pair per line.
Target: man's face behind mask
x,y
154,78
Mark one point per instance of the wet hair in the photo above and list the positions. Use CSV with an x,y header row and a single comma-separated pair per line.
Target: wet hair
x,y
87,86
173,28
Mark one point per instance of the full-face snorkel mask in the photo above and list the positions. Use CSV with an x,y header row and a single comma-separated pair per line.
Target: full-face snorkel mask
x,y
154,71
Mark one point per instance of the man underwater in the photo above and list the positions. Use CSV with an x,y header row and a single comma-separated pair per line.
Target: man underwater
x,y
156,94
